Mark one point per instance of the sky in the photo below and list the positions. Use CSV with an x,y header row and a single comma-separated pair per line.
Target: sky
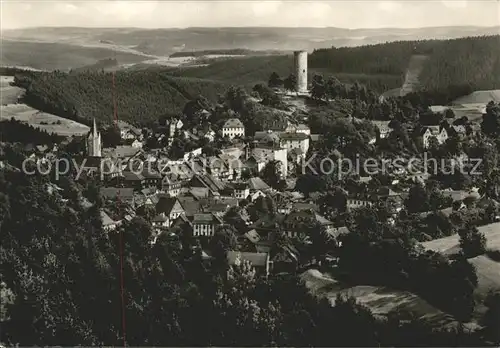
x,y
267,13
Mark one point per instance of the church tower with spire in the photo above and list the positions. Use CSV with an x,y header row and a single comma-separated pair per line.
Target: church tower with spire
x,y
94,142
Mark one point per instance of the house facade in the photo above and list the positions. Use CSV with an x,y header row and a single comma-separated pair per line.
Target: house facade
x,y
437,132
205,224
292,141
168,209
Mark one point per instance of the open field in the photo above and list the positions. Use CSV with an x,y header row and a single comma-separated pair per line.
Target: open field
x,y
380,300
62,56
488,270
42,120
488,273
9,94
479,97
450,245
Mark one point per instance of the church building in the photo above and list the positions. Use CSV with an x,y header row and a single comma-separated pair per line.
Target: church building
x,y
94,142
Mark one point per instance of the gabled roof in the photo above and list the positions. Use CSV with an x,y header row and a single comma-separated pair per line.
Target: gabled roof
x,y
206,218
293,136
130,176
233,123
190,205
257,183
315,137
117,192
106,220
166,204
297,216
337,231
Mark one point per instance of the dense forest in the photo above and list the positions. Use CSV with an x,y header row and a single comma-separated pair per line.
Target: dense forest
x,y
142,97
474,60
381,67
252,70
15,131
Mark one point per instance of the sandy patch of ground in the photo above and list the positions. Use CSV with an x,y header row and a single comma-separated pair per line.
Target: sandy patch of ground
x,y
414,69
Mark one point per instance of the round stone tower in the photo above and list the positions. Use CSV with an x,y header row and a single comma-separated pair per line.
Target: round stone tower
x,y
300,65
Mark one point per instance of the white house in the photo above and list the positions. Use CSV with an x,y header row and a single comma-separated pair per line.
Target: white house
x,y
273,153
168,209
233,128
383,128
437,132
137,144
354,203
241,190
291,141
173,126
108,224
302,128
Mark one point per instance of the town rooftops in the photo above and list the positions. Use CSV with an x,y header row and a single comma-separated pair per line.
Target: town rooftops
x,y
121,151
106,220
253,236
117,192
166,204
233,123
206,218
293,136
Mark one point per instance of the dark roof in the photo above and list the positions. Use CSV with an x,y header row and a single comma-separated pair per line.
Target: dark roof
x,y
115,192
257,183
166,204
293,136
190,205
233,123
206,218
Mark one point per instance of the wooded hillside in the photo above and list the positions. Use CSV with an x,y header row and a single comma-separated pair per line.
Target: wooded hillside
x,y
141,96
381,67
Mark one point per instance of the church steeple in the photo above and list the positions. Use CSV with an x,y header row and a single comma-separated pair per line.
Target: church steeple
x,y
94,142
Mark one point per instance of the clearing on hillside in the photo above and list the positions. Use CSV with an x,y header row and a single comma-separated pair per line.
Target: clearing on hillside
x,y
415,67
450,245
380,300
9,94
479,97
488,270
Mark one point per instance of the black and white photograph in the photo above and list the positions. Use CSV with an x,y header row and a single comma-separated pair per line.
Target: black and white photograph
x,y
243,173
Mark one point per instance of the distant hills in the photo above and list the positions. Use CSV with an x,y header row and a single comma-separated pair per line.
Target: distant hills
x,y
64,48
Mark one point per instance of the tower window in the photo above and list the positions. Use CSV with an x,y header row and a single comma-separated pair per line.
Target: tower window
x,y
304,70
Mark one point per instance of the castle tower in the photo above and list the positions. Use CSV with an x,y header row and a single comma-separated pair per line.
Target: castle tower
x,y
94,142
300,66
